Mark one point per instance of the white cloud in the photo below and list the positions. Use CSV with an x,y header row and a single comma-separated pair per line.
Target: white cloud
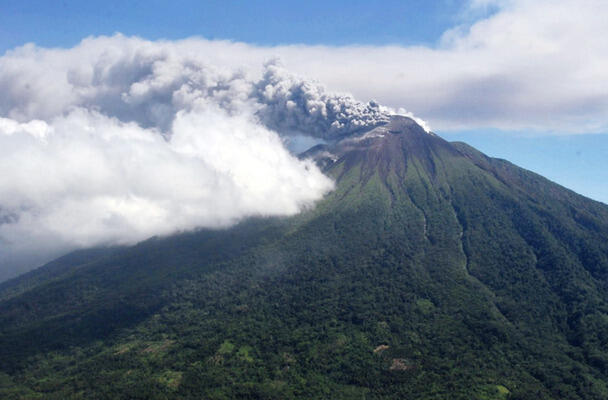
x,y
90,179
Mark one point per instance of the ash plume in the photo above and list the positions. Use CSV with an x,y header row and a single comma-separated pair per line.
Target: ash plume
x,y
291,104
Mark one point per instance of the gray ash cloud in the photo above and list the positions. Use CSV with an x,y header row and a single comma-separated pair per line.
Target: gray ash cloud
x,y
292,104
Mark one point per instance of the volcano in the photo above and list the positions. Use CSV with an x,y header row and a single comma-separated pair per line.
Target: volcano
x,y
431,272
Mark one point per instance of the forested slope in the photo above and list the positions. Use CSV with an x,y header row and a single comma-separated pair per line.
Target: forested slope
x,y
430,272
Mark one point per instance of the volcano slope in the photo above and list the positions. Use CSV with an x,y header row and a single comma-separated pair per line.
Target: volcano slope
x,y
430,272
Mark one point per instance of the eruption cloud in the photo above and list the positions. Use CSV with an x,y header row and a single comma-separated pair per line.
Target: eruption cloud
x,y
119,139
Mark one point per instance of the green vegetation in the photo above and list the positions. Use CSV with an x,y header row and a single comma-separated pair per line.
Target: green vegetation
x,y
431,272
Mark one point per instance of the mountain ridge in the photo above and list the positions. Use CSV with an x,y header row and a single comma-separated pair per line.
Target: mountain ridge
x,y
431,271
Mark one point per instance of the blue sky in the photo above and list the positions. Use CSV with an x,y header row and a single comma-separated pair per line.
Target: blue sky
x,y
571,159
64,23
578,162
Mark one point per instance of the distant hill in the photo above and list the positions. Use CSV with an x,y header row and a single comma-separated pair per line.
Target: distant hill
x,y
431,272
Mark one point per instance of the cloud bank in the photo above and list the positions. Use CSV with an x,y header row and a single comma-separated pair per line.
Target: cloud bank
x,y
539,65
